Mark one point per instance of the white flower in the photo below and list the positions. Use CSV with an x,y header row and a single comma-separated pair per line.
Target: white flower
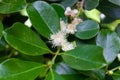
x,y
58,38
68,9
70,12
71,28
67,46
63,26
76,21
75,11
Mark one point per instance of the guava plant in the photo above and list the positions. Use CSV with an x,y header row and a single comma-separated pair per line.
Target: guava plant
x,y
59,40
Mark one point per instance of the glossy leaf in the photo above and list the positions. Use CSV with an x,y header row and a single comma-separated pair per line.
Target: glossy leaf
x,y
89,78
44,18
91,4
73,77
14,69
38,59
60,11
118,30
53,0
88,57
25,40
11,6
67,73
87,29
2,45
93,14
64,69
80,42
112,26
98,74
106,7
67,3
53,76
116,75
110,42
1,29
117,2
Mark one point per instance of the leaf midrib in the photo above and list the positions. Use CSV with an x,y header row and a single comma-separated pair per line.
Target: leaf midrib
x,y
29,43
82,59
42,19
10,3
79,30
16,74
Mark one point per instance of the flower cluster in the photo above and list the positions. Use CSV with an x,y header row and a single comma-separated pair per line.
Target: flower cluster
x,y
59,39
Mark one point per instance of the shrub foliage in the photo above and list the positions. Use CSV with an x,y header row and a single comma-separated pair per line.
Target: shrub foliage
x,y
59,40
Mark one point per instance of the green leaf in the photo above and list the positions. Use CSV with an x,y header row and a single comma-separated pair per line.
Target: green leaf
x,y
64,69
14,69
91,4
53,76
88,57
87,29
38,59
116,75
53,0
69,3
25,40
118,30
106,8
2,45
112,26
98,74
91,41
67,73
93,14
89,78
110,42
60,11
44,18
73,77
117,2
1,29
10,6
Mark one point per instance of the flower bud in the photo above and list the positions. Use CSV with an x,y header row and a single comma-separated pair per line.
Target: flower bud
x,y
119,68
118,57
68,11
75,11
110,72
